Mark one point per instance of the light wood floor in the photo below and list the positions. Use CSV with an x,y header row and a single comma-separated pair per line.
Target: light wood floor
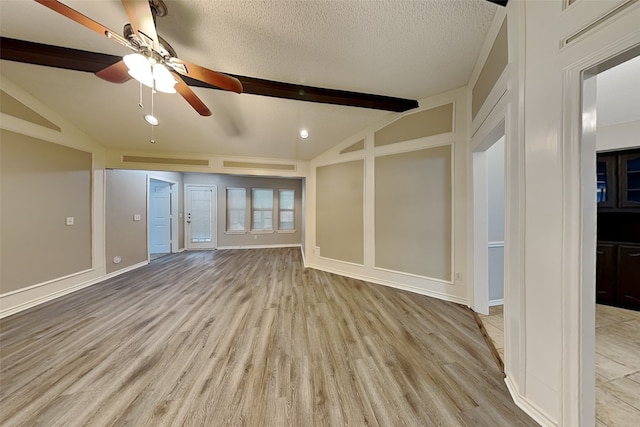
x,y
247,338
617,362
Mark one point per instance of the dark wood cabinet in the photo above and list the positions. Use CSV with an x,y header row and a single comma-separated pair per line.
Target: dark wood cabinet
x,y
606,273
607,182
618,252
618,180
629,276
629,175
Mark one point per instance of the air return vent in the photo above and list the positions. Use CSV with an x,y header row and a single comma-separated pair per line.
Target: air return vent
x,y
251,165
165,161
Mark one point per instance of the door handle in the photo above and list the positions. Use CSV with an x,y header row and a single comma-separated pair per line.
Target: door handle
x,y
634,255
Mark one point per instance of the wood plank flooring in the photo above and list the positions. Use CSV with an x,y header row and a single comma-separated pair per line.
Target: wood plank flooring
x,y
251,338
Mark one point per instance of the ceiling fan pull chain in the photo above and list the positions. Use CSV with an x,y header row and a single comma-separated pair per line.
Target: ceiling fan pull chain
x,y
140,98
152,140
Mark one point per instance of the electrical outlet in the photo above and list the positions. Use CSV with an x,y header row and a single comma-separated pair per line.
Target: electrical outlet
x,y
458,276
136,217
69,220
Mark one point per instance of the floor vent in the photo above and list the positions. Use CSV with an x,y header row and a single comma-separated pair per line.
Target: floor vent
x,y
165,161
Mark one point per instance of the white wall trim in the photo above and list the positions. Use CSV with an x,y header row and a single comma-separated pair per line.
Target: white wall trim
x,y
48,292
285,245
495,302
48,282
525,404
397,285
417,276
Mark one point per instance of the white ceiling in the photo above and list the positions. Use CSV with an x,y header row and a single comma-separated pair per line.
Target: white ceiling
x,y
401,48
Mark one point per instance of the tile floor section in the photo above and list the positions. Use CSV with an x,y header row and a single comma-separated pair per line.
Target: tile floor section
x,y
617,362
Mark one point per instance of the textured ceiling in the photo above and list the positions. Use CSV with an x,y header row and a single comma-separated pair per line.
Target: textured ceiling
x,y
408,49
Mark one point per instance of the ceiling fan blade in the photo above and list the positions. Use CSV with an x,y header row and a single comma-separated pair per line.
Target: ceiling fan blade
x,y
116,73
499,2
141,19
206,75
81,19
191,97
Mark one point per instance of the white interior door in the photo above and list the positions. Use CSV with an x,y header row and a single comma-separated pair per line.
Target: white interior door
x,y
159,217
200,217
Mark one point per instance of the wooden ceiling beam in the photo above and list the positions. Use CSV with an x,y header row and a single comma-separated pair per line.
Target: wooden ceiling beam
x,y
92,62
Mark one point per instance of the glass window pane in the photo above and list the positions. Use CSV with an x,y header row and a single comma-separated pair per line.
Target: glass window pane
x,y
262,198
262,209
236,202
286,199
286,207
201,216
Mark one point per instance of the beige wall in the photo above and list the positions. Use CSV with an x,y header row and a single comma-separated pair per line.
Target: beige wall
x,y
247,239
13,107
126,196
405,210
41,185
413,196
430,122
491,70
340,211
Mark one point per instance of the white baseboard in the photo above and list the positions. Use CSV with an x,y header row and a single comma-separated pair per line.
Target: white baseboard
x,y
47,291
396,285
524,404
297,245
495,302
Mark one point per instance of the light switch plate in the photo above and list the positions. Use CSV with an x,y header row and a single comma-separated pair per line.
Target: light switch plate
x,y
136,217
69,220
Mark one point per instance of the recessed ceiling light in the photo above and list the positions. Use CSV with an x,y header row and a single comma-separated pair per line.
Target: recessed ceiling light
x,y
304,134
151,120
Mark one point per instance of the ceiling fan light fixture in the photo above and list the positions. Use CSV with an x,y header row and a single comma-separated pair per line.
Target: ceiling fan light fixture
x,y
164,81
151,119
139,68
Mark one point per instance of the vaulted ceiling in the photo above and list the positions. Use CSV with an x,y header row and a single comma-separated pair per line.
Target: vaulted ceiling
x,y
395,48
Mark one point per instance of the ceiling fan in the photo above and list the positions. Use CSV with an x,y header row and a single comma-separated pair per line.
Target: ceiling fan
x,y
153,62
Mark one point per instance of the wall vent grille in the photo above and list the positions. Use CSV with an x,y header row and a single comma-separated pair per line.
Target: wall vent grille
x,y
252,165
165,161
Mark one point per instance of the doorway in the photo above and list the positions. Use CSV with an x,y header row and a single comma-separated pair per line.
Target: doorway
x,y
200,217
488,220
611,98
160,218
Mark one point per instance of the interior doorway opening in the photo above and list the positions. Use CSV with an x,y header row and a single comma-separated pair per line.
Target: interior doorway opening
x,y
160,218
488,218
611,233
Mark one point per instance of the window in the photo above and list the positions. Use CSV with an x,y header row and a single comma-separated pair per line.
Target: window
x,y
236,205
285,209
262,209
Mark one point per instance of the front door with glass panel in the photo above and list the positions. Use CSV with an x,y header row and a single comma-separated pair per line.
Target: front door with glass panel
x,y
200,217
